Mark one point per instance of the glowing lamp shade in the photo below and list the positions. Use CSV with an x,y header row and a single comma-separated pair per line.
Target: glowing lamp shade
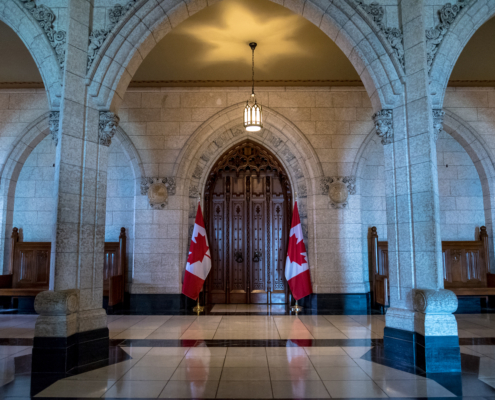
x,y
253,116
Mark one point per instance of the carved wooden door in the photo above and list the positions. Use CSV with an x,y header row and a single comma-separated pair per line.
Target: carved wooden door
x,y
247,220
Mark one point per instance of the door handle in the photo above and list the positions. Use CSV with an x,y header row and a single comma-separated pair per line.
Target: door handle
x,y
257,256
238,256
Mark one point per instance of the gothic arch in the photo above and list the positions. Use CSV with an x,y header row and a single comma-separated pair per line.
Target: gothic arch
x,y
483,160
473,144
458,35
344,21
23,24
32,135
280,136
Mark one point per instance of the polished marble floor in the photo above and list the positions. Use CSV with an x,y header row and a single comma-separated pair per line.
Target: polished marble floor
x,y
250,356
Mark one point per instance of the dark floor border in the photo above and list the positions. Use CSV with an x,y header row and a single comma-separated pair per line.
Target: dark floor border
x,y
246,343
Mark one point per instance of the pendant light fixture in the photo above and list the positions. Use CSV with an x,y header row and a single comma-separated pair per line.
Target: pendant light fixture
x,y
253,114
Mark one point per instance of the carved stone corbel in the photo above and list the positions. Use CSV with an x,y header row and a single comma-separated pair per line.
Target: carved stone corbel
x,y
384,125
107,126
438,115
53,123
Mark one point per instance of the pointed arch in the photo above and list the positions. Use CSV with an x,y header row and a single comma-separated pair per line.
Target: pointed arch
x,y
148,21
455,40
35,40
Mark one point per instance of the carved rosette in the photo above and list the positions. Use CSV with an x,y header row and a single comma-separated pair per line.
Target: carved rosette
x,y
393,35
45,18
384,125
107,126
434,36
158,190
437,122
97,37
338,189
53,123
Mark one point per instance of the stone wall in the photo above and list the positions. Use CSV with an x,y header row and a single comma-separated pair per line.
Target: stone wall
x,y
160,123
461,196
34,198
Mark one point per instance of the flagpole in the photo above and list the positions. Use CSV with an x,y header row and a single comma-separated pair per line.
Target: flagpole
x,y
198,308
295,308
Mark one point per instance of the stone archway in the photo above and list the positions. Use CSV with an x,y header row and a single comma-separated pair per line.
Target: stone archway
x,y
118,57
474,145
469,20
280,136
20,150
19,19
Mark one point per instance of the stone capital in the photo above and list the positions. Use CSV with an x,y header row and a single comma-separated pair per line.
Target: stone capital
x,y
53,123
107,127
438,115
384,125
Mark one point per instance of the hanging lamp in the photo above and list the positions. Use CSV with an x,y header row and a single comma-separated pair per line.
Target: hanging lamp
x,y
253,113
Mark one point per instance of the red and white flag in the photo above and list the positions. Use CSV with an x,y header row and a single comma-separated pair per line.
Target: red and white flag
x,y
199,259
296,266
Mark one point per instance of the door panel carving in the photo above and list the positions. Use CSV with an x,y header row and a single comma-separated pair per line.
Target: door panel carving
x,y
247,193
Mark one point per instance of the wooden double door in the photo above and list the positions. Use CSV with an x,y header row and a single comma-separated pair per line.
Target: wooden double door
x,y
247,222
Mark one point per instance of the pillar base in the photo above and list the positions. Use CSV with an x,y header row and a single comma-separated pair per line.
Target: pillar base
x,y
432,354
56,358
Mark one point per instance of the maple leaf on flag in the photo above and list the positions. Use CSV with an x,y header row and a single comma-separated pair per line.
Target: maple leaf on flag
x,y
198,250
295,250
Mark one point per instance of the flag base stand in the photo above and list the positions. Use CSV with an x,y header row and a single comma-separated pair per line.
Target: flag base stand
x,y
296,308
198,309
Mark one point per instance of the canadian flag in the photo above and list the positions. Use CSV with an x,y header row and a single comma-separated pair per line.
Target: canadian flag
x,y
199,259
296,266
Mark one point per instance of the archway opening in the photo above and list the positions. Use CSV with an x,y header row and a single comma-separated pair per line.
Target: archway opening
x,y
248,199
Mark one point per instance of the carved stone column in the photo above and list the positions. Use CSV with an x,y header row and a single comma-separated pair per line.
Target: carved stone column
x,y
413,215
77,258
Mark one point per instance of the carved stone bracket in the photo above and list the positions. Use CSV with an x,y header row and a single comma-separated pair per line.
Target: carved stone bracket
x,y
393,35
107,126
438,115
53,123
158,190
434,36
97,37
338,189
45,17
193,191
384,125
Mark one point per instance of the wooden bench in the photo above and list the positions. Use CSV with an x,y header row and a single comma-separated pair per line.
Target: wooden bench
x,y
466,267
29,269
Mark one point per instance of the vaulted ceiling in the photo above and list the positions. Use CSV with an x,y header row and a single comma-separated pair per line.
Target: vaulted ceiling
x,y
211,49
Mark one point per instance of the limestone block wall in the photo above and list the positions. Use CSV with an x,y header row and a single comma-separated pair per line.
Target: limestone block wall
x,y
461,196
161,123
34,197
121,194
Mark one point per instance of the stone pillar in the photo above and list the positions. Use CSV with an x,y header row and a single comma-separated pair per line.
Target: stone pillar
x,y
77,256
413,218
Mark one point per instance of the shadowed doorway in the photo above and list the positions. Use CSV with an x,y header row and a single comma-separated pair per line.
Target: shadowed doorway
x,y
247,198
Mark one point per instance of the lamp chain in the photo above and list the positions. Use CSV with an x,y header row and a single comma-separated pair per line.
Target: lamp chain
x,y
253,70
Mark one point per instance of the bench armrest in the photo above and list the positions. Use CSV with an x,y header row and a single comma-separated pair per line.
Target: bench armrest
x,y
6,281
